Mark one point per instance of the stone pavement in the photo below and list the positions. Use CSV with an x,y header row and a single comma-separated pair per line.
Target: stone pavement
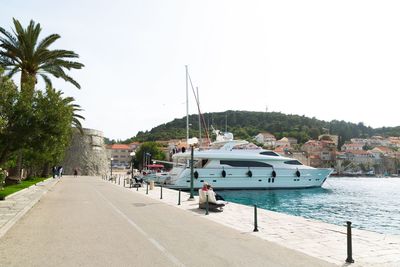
x,y
16,205
318,239
314,238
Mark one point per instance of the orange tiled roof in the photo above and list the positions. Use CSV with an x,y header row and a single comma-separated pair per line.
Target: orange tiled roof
x,y
384,149
118,146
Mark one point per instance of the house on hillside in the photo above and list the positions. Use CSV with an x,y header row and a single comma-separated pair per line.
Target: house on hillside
x,y
329,137
320,153
352,147
266,138
284,142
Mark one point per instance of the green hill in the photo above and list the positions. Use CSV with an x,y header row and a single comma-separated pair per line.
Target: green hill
x,y
247,124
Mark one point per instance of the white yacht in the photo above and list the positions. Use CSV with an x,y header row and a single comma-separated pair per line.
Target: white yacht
x,y
234,164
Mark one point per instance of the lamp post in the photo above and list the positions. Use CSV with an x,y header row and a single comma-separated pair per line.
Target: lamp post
x,y
132,154
192,142
111,160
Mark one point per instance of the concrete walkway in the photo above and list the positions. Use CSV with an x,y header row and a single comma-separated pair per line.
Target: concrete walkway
x,y
86,221
16,205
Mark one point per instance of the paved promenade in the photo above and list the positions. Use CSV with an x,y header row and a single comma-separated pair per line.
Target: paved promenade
x,y
15,206
86,221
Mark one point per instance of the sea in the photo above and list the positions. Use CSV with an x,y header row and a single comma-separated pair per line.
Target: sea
x,y
371,204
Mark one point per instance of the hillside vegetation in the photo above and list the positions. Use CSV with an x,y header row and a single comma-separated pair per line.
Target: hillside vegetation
x,y
247,124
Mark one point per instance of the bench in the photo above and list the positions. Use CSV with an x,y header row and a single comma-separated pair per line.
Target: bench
x,y
213,204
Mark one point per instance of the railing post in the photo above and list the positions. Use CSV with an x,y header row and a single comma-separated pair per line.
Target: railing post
x,y
349,244
179,197
255,219
147,188
160,191
207,204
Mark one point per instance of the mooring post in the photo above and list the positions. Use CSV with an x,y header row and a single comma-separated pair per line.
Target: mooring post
x,y
179,197
207,204
147,188
349,244
255,219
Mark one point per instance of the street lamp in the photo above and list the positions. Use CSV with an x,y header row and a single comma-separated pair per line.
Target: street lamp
x,y
132,154
111,160
192,142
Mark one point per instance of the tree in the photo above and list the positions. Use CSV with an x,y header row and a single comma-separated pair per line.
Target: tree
x,y
151,148
16,116
24,53
21,51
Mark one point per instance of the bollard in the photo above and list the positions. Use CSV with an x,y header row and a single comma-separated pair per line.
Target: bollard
x,y
255,219
349,245
207,204
124,182
137,188
147,188
179,197
119,180
160,191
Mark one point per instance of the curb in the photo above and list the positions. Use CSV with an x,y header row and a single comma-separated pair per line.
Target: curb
x,y
20,214
25,189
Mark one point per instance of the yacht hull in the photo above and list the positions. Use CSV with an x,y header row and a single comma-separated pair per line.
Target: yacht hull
x,y
260,178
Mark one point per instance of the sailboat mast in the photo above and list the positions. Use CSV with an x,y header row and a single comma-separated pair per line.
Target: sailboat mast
x,y
187,105
198,104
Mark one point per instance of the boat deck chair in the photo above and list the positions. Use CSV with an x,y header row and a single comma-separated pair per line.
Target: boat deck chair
x,y
213,204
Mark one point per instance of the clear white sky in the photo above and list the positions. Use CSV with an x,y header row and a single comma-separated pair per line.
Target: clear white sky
x,y
328,59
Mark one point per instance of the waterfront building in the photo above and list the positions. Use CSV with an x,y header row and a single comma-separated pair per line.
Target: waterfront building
x,y
360,157
120,153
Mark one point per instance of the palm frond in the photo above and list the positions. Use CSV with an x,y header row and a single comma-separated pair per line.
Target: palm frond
x,y
69,79
46,42
46,80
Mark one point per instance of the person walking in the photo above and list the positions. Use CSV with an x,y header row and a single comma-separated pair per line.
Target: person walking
x,y
54,171
60,171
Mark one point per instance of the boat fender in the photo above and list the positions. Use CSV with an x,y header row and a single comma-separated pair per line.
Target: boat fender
x,y
298,173
223,173
273,174
249,173
196,174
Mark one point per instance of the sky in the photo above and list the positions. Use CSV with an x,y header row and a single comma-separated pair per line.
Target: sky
x,y
325,59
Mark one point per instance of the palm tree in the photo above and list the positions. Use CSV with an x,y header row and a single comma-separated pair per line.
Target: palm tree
x,y
21,52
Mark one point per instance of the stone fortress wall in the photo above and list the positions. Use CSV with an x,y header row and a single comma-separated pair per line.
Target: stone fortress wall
x,y
87,153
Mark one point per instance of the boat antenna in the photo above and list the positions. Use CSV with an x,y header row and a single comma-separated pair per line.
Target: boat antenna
x,y
226,122
187,104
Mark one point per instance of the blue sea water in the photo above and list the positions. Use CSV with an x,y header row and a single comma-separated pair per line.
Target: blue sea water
x,y
369,203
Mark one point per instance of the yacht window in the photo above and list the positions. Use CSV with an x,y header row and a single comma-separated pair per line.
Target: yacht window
x,y
293,162
269,153
242,163
204,162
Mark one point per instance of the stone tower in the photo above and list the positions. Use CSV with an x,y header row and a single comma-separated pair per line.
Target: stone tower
x,y
87,153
